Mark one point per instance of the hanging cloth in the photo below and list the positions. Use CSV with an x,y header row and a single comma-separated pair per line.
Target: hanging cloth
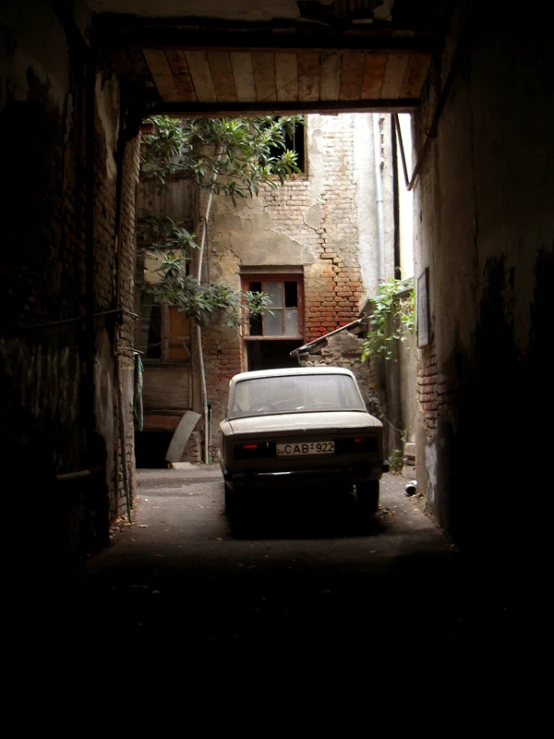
x,y
138,411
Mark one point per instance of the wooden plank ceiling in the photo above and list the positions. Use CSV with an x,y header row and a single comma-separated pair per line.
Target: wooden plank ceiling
x,y
279,80
204,66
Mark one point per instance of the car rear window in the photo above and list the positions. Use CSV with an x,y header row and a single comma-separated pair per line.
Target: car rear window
x,y
294,394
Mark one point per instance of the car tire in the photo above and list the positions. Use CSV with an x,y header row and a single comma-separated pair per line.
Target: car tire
x,y
367,498
230,501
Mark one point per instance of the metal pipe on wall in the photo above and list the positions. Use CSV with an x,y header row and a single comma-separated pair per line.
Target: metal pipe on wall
x,y
379,197
431,130
395,201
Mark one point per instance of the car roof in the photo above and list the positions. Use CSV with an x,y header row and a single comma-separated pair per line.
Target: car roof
x,y
291,372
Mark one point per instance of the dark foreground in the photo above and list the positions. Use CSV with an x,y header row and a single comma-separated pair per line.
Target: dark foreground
x,y
296,592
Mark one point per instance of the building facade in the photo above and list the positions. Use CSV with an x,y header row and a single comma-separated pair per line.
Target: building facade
x,y
318,246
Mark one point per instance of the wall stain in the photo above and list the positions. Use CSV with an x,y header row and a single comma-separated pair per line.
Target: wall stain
x,y
498,415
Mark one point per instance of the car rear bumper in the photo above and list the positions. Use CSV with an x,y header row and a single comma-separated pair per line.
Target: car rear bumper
x,y
303,478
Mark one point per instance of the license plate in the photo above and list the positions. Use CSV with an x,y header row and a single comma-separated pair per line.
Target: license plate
x,y
306,447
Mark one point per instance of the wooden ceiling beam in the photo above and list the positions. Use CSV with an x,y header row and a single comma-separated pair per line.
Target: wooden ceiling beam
x,y
228,110
129,23
309,64
272,42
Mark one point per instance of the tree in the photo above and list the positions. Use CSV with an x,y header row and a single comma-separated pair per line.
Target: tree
x,y
233,156
230,155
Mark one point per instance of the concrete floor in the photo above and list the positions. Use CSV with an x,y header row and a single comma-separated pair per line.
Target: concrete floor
x,y
295,589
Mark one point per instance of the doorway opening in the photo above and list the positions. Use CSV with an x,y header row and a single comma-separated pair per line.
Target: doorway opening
x,y
151,448
261,355
270,338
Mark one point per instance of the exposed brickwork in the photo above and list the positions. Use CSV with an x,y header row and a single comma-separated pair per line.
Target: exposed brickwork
x,y
334,292
125,294
333,288
435,391
341,350
193,450
114,284
222,360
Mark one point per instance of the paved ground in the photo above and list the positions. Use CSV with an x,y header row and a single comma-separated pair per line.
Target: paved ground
x,y
295,590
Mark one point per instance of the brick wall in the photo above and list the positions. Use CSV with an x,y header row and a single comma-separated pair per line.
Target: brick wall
x,y
333,287
435,390
334,291
127,324
116,176
222,358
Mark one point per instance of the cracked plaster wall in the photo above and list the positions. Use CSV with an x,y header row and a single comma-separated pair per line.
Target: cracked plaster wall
x,y
321,212
322,223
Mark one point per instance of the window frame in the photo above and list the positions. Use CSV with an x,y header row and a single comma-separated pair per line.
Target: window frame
x,y
165,339
300,129
265,277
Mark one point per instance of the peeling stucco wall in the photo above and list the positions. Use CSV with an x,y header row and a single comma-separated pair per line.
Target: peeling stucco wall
x,y
323,212
321,224
485,232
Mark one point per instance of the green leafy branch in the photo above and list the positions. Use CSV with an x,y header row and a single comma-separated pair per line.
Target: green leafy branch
x,y
227,155
233,156
391,320
163,232
199,300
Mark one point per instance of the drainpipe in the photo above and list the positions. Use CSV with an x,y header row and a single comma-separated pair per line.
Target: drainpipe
x,y
395,200
379,198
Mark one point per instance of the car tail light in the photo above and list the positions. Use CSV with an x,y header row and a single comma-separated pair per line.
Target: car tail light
x,y
254,451
356,445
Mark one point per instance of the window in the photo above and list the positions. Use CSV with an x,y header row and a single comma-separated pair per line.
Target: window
x,y
296,394
164,332
270,338
297,143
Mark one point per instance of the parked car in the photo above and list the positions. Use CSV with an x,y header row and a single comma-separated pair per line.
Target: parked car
x,y
299,428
